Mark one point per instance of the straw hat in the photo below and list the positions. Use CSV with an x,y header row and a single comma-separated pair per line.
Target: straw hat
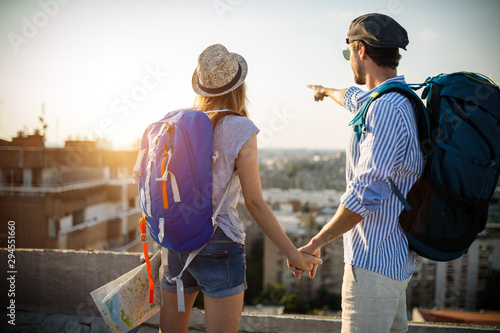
x,y
218,71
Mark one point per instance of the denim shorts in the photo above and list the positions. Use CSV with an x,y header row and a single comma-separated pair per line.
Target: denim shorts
x,y
219,270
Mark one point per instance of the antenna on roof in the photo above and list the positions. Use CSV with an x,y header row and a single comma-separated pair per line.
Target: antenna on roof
x,y
42,121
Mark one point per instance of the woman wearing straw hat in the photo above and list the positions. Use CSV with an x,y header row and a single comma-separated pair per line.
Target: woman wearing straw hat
x,y
219,269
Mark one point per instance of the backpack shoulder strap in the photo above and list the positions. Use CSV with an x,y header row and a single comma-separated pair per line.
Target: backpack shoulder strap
x,y
221,114
406,90
421,115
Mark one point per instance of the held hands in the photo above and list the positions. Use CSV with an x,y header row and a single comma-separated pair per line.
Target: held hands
x,y
308,252
303,262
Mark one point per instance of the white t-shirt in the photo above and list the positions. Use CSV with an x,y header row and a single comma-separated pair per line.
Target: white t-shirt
x,y
230,135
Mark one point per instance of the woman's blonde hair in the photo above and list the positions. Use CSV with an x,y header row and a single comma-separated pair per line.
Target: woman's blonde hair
x,y
235,100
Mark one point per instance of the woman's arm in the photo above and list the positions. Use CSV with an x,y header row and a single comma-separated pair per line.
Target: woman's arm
x,y
248,173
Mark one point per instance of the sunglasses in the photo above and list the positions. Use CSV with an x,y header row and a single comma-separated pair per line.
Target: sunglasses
x,y
347,54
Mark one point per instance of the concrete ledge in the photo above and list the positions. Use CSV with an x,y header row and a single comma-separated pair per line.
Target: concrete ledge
x,y
52,295
259,323
27,322
60,281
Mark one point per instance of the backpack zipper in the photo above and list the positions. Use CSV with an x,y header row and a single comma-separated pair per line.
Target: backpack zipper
x,y
164,183
191,159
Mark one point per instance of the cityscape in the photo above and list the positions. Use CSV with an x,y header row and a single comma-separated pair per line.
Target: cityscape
x,y
81,197
69,207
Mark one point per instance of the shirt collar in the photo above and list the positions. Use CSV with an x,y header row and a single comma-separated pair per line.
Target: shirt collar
x,y
362,97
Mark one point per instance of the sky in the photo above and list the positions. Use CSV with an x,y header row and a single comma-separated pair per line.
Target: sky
x,y
107,69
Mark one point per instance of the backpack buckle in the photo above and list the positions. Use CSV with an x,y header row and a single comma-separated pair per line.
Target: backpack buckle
x,y
215,156
142,228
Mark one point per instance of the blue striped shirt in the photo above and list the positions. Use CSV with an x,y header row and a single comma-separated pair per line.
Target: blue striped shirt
x,y
389,147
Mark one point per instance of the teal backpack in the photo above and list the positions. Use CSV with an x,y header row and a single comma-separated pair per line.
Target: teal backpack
x,y
459,137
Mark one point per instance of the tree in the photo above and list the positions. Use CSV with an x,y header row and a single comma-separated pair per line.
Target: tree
x,y
255,269
325,300
489,298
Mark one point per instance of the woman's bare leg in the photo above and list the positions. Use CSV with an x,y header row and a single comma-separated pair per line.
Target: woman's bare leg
x,y
170,319
223,314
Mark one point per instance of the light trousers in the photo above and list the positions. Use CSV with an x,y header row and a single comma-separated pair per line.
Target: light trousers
x,y
372,302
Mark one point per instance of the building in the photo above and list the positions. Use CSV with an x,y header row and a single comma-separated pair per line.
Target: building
x,y
458,284
461,283
300,228
458,316
76,197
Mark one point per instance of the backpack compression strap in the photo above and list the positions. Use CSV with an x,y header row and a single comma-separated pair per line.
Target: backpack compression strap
x,y
142,228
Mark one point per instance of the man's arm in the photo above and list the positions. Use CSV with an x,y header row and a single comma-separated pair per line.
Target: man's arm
x,y
336,94
343,221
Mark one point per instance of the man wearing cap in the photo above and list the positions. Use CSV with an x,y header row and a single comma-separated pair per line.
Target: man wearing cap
x,y
378,262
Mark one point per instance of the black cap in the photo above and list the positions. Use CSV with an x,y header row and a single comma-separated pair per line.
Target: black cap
x,y
378,30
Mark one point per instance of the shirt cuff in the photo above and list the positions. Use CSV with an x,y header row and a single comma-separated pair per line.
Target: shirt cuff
x,y
351,201
350,101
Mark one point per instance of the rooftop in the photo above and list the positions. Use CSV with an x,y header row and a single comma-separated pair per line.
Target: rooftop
x,y
50,290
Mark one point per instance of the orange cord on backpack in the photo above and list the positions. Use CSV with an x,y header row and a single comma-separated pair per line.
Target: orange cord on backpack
x,y
142,229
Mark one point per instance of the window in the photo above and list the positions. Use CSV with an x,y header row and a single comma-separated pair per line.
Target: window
x,y
14,177
132,235
131,203
78,217
53,227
